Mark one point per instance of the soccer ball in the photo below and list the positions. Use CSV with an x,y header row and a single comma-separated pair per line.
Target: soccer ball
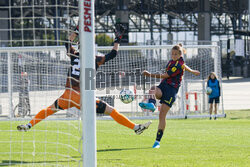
x,y
127,96
209,90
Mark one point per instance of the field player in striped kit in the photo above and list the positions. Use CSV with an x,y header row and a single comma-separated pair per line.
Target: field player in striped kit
x,y
168,88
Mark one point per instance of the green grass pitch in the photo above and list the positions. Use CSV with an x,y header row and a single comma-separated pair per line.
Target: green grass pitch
x,y
186,143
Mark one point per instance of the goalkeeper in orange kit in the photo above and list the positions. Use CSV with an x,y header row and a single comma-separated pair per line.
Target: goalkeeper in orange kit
x,y
71,96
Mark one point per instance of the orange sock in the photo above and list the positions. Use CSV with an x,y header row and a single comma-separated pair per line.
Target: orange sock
x,y
121,119
41,115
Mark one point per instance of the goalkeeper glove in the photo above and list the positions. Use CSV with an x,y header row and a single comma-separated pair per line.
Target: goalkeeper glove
x,y
119,31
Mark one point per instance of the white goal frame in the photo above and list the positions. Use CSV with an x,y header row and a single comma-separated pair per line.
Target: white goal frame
x,y
10,50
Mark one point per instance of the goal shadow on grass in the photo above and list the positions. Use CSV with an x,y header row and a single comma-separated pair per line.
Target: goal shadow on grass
x,y
15,162
123,149
117,149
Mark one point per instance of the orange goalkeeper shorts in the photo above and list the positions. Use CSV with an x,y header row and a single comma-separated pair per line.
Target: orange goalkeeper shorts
x,y
71,98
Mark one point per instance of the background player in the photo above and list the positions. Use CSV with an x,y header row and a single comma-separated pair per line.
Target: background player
x,y
71,95
214,97
168,88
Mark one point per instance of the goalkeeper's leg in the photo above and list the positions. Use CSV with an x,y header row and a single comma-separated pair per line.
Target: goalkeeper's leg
x,y
44,113
69,99
120,118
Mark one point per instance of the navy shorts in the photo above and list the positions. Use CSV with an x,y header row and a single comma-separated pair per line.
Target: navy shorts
x,y
215,99
168,93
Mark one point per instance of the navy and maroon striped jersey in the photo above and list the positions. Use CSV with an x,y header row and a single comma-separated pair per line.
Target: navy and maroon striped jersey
x,y
175,70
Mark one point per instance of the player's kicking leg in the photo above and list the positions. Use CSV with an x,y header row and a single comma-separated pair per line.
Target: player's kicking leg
x,y
150,105
103,107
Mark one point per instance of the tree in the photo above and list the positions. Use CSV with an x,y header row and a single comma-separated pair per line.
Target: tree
x,y
103,40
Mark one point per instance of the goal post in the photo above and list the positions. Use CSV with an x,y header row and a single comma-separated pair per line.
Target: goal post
x,y
87,81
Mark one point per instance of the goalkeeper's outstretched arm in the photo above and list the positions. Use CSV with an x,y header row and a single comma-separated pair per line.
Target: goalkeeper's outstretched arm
x,y
119,31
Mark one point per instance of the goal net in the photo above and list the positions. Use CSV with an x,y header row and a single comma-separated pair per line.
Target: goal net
x,y
33,71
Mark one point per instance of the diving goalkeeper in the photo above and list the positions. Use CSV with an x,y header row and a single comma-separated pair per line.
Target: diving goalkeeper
x,y
71,96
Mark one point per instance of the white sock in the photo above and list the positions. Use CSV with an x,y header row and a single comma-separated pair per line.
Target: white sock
x,y
136,126
29,125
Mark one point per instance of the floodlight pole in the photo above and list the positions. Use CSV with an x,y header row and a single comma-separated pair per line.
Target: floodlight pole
x,y
87,81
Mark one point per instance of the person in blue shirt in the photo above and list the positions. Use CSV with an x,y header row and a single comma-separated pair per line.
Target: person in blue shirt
x,y
214,96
